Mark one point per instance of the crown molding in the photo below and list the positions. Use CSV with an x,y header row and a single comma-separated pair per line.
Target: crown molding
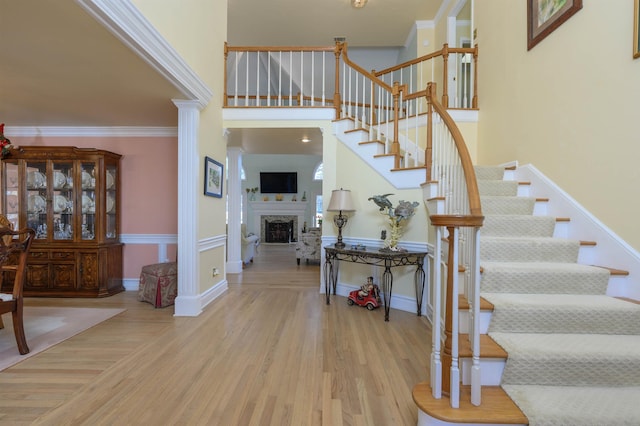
x,y
418,25
126,22
51,131
421,25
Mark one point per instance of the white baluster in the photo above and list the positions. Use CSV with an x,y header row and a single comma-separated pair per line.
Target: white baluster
x,y
258,78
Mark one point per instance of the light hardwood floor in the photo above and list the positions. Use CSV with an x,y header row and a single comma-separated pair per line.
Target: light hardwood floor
x,y
267,352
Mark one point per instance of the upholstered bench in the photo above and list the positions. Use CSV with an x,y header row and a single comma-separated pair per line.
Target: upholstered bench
x,y
159,284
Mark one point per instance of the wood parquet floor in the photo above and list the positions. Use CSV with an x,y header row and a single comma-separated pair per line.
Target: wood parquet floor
x,y
269,351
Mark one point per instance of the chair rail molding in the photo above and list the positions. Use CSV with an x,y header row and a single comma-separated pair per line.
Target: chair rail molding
x,y
161,240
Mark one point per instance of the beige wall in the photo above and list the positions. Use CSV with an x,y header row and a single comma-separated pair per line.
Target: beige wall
x,y
354,174
568,106
197,30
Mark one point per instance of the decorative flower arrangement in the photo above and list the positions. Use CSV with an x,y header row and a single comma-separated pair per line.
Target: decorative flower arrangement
x,y
5,144
396,216
253,191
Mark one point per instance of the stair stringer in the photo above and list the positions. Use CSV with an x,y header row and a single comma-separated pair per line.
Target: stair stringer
x,y
610,251
346,132
405,179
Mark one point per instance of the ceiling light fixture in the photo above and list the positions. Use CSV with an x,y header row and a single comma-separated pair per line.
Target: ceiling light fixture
x,y
358,3
305,140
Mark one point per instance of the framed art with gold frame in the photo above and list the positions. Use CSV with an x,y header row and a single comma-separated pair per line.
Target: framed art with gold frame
x,y
544,16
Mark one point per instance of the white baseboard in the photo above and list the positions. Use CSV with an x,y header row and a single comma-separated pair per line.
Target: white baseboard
x,y
131,284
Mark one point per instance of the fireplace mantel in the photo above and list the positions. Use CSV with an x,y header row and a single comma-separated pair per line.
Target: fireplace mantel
x,y
278,208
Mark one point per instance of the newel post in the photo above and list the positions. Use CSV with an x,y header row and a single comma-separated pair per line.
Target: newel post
x,y
395,146
447,352
336,95
226,55
474,100
373,114
445,73
428,151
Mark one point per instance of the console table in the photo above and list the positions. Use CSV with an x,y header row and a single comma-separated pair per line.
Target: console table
x,y
387,259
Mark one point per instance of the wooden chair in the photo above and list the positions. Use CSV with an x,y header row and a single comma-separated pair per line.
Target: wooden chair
x,y
14,250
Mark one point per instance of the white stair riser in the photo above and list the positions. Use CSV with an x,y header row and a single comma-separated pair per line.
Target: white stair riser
x,y
492,369
588,255
435,206
617,285
523,190
426,420
540,208
561,230
463,318
343,125
404,179
371,149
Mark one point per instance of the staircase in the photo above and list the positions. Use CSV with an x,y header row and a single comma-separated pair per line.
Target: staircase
x,y
573,352
557,348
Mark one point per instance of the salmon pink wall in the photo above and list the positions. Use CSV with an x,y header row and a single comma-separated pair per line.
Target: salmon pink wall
x,y
149,188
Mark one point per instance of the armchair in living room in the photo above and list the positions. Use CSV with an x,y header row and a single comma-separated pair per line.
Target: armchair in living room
x,y
248,245
309,245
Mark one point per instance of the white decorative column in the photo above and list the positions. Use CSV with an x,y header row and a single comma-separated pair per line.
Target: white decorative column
x,y
187,302
234,194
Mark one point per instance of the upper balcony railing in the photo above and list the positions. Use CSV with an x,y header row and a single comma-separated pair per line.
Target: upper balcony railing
x,y
309,77
455,67
263,77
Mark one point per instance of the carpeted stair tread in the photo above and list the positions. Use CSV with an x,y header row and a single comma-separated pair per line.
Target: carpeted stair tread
x,y
573,352
489,172
577,406
518,225
570,359
531,249
543,277
562,313
498,187
494,204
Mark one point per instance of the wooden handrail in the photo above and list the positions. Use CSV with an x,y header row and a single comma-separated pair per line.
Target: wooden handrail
x,y
395,91
279,49
425,58
444,53
467,165
452,223
362,71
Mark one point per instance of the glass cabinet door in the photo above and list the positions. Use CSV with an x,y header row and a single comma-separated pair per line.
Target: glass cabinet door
x,y
36,183
11,200
88,183
110,203
62,200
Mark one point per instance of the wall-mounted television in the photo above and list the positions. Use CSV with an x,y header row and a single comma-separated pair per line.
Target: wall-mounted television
x,y
279,182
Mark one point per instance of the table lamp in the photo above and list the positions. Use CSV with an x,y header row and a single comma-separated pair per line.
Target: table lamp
x,y
340,202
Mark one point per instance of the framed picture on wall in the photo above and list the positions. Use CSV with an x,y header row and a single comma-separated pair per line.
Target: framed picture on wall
x,y
636,29
213,177
544,16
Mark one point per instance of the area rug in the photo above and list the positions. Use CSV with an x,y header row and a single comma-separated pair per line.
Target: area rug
x,y
47,326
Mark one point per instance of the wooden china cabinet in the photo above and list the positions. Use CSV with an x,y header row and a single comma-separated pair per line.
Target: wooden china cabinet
x,y
71,197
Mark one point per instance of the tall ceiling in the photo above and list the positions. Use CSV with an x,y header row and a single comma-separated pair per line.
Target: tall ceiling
x,y
61,67
316,22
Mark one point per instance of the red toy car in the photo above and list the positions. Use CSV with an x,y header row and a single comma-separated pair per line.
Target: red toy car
x,y
368,295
